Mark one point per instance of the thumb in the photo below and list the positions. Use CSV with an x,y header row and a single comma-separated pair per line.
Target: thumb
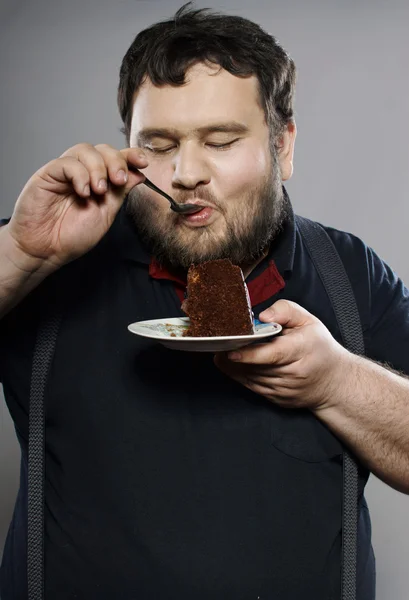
x,y
287,314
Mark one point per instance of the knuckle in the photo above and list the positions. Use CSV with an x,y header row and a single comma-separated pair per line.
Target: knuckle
x,y
72,162
110,151
112,157
120,160
303,374
51,164
78,149
302,371
58,163
66,160
105,148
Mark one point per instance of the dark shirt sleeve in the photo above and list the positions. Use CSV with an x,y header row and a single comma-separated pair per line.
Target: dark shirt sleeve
x,y
382,298
388,333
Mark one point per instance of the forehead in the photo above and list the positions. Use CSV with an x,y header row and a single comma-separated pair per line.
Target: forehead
x,y
210,94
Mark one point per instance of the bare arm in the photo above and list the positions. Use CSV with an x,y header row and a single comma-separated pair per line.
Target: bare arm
x,y
369,411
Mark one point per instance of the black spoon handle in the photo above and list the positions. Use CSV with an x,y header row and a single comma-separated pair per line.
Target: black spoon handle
x,y
153,187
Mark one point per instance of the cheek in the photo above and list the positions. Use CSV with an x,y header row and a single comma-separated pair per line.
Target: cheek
x,y
160,178
160,173
243,171
151,205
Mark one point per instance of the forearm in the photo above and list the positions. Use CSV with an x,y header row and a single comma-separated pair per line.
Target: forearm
x,y
19,273
369,411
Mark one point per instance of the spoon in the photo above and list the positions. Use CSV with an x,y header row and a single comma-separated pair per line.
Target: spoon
x,y
183,209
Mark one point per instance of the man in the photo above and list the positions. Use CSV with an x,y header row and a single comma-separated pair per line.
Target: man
x,y
182,475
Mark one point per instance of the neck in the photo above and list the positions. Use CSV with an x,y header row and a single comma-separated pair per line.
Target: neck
x,y
248,268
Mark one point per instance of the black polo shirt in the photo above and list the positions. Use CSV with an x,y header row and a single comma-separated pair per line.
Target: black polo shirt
x,y
164,478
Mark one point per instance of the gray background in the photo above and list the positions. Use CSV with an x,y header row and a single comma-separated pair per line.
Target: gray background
x,y
59,66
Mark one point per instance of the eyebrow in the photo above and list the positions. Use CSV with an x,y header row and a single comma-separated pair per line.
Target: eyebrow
x,y
146,135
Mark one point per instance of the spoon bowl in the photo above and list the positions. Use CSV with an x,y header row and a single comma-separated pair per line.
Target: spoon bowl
x,y
182,209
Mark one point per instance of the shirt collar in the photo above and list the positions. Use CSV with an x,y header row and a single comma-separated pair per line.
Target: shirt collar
x,y
282,250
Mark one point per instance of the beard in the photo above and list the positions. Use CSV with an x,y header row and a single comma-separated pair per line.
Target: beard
x,y
251,225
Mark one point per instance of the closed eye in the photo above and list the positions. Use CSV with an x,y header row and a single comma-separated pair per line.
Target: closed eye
x,y
159,150
168,149
222,146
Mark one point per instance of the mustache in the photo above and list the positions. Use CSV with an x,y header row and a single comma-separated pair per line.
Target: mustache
x,y
199,193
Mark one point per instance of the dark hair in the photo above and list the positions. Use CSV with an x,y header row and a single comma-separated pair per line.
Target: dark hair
x,y
166,50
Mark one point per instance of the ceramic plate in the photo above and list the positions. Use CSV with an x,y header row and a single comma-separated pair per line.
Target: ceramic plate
x,y
169,332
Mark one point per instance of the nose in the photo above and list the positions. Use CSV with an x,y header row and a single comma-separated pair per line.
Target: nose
x,y
190,168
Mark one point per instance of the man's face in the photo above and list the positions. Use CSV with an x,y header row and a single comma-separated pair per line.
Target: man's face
x,y
207,142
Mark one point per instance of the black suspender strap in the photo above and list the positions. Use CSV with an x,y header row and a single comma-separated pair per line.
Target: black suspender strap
x,y
338,287
43,354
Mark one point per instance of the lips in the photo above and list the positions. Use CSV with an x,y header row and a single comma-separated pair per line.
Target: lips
x,y
198,203
200,218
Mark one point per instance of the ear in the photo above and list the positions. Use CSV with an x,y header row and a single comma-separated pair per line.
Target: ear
x,y
285,148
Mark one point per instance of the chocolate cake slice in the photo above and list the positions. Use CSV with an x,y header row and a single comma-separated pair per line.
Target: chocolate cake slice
x,y
217,302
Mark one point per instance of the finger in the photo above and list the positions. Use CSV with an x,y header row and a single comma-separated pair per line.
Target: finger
x,y
239,372
93,161
277,385
262,390
273,387
118,162
281,350
235,370
67,170
135,159
244,375
288,314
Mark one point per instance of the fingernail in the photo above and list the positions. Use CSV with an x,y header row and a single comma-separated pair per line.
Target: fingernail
x,y
87,190
102,185
267,315
234,356
122,175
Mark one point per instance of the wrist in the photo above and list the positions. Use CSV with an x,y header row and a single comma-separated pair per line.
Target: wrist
x,y
340,377
23,263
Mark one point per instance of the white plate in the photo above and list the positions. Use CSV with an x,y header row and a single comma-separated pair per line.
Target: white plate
x,y
169,332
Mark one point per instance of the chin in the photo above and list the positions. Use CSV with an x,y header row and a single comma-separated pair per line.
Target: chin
x,y
202,243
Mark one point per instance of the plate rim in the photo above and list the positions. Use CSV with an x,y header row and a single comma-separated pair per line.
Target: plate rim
x,y
158,336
